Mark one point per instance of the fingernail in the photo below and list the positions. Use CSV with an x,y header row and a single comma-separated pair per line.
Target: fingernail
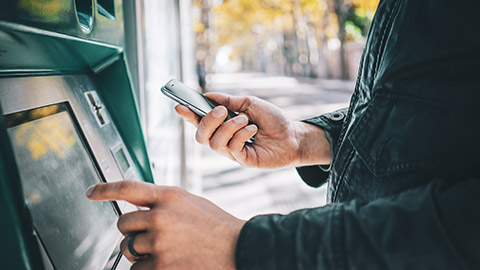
x,y
240,119
90,190
219,112
251,128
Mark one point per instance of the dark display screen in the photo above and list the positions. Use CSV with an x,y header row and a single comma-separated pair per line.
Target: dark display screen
x,y
56,168
122,160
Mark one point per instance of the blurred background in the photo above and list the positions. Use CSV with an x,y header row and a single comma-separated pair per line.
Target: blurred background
x,y
304,38
301,55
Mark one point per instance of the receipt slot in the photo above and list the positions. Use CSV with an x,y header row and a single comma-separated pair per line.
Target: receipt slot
x,y
68,120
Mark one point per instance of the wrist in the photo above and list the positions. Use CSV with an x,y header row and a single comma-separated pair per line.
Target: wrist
x,y
234,232
313,146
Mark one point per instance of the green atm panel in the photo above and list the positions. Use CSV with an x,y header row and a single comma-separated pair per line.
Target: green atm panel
x,y
68,119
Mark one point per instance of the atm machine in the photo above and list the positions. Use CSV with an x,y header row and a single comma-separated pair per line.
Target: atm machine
x,y
68,119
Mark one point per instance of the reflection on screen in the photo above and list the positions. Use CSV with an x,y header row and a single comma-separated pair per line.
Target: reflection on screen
x,y
56,169
191,96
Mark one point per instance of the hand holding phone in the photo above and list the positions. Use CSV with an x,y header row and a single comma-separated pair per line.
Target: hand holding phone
x,y
279,141
195,101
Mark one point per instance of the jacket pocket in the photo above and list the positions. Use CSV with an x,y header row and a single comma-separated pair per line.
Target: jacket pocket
x,y
399,133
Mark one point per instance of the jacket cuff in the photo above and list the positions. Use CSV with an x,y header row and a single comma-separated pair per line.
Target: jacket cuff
x,y
300,240
255,245
331,123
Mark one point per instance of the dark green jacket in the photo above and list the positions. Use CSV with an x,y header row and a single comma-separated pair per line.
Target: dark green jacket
x,y
404,183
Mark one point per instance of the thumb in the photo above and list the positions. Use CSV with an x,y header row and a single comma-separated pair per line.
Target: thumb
x,y
233,103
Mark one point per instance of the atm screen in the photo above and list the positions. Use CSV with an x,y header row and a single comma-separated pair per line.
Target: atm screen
x,y
122,160
56,168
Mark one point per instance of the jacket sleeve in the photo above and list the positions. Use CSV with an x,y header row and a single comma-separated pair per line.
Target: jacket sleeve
x,y
331,123
431,227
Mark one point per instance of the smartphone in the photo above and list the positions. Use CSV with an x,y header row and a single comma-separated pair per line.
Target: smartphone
x,y
195,101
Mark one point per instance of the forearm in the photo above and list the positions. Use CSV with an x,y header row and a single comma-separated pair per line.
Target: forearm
x,y
430,227
313,145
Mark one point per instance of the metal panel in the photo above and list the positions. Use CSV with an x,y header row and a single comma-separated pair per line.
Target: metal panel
x,y
45,38
65,17
19,94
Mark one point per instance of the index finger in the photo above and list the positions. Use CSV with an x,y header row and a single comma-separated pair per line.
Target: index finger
x,y
187,114
134,192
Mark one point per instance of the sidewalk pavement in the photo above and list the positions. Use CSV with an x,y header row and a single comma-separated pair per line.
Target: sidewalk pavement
x,y
247,192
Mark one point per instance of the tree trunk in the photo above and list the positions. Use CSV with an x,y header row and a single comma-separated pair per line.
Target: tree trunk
x,y
338,7
203,48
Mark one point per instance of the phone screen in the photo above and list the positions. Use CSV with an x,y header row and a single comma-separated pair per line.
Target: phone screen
x,y
190,96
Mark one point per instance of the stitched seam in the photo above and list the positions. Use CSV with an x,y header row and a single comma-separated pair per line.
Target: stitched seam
x,y
359,146
340,178
383,29
355,97
357,89
381,48
371,163
340,256
353,101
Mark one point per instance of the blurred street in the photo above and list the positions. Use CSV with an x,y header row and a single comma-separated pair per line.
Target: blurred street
x,y
248,192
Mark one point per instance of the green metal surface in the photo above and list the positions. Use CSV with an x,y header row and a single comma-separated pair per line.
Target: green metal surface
x,y
65,17
27,50
117,94
45,38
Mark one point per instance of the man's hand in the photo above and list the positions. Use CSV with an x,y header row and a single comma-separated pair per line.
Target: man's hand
x,y
178,231
278,143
